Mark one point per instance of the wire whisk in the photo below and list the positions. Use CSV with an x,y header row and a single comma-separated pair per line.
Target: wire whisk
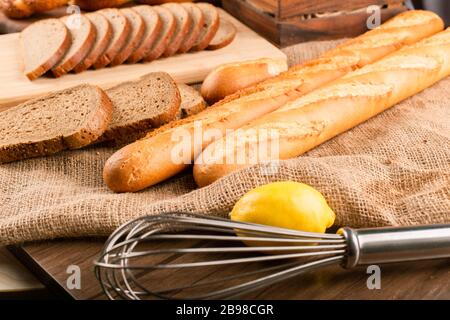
x,y
187,256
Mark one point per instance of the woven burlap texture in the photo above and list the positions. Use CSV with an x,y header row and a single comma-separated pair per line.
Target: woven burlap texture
x,y
391,170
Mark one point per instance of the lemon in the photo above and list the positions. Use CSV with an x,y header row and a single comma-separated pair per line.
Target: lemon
x,y
285,204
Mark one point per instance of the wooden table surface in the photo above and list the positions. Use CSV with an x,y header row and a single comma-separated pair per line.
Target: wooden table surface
x,y
417,280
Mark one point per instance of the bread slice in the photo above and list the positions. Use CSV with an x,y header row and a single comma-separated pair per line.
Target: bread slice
x,y
83,38
68,119
192,101
103,37
141,105
224,36
152,27
196,26
121,29
183,23
165,34
43,43
134,38
210,26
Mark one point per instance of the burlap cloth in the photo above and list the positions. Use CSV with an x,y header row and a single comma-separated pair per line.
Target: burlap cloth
x,y
392,170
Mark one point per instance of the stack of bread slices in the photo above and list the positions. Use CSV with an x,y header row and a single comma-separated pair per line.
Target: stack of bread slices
x,y
111,37
85,114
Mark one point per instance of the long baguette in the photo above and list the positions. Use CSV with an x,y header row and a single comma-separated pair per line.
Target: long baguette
x,y
319,116
151,160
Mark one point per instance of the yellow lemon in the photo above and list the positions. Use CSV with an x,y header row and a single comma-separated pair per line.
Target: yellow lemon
x,y
286,204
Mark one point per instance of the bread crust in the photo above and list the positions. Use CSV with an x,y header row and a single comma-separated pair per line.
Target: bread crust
x,y
18,9
148,161
156,51
113,48
71,63
180,32
147,43
227,40
87,133
195,30
311,120
54,59
202,43
94,54
232,77
132,44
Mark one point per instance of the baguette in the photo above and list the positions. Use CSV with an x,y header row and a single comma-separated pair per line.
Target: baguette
x,y
18,9
232,77
155,158
319,116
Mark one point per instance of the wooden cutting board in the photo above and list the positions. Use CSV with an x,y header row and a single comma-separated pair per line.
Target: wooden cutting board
x,y
187,68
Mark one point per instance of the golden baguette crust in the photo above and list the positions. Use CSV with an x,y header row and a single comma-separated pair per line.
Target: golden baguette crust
x,y
310,120
149,161
232,77
25,8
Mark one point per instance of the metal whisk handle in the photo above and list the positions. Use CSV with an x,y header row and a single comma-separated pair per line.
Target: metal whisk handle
x,y
391,244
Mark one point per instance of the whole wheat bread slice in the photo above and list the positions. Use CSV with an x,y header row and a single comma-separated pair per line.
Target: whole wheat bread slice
x,y
193,33
210,26
152,27
165,34
134,38
192,101
140,105
183,23
83,38
121,29
43,44
68,119
103,37
224,36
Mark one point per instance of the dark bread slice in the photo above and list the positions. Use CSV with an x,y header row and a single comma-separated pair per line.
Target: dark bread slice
x,y
183,23
120,29
210,26
135,37
103,37
192,101
83,38
43,43
196,26
165,34
224,36
68,119
152,27
140,105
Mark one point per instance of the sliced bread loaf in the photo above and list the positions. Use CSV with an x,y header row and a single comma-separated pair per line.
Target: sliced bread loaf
x,y
43,43
134,38
164,35
210,26
103,37
224,36
120,29
68,119
83,38
182,24
141,105
196,26
152,27
192,101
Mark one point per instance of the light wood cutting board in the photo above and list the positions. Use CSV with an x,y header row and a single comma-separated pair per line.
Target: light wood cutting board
x,y
187,68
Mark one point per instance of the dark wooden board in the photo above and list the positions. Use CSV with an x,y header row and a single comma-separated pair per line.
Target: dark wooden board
x,y
284,32
417,280
290,8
